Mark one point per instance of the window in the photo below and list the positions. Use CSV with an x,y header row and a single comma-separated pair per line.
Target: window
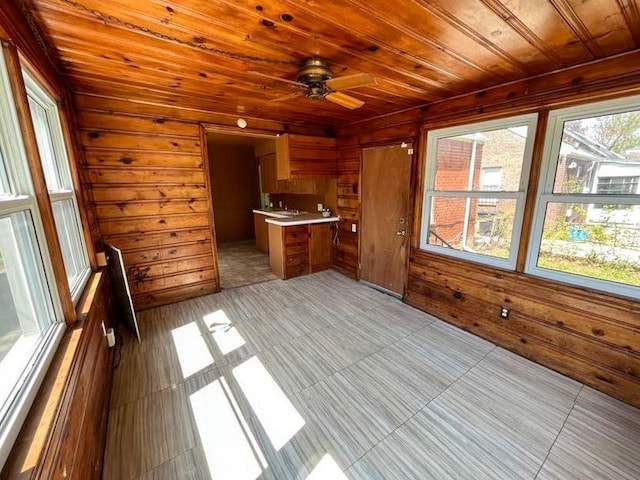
x,y
617,185
55,163
490,182
475,184
30,313
587,222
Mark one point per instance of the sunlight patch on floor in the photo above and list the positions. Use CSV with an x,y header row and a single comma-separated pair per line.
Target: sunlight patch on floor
x,y
226,337
193,352
327,469
279,418
230,448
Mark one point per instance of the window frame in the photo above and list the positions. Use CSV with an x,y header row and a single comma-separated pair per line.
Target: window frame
x,y
23,199
61,164
544,194
429,192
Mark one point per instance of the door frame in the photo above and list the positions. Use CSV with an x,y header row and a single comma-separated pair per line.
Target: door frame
x,y
226,130
416,142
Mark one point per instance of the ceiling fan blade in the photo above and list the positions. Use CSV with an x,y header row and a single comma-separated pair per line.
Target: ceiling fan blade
x,y
272,77
344,100
351,81
288,97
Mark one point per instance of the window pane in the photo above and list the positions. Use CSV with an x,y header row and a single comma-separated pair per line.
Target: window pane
x,y
45,146
5,188
470,225
490,160
600,155
600,241
64,213
26,315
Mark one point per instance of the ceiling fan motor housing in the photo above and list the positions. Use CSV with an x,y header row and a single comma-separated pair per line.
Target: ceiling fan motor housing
x,y
314,73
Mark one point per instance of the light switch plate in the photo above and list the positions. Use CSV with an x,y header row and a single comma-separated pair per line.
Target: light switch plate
x,y
353,227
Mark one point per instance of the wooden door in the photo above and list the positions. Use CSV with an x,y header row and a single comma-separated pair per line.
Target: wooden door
x,y
319,247
386,179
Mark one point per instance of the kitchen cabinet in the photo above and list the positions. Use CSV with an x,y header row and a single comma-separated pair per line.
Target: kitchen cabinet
x,y
268,174
319,247
299,249
262,232
306,187
289,250
305,157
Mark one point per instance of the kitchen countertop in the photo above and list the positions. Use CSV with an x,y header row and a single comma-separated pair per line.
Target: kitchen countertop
x,y
284,220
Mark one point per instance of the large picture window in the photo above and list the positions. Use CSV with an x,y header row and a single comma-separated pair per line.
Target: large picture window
x,y
475,184
30,313
55,164
587,222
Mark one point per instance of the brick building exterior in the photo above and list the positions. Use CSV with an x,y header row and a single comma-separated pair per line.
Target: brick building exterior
x,y
447,214
498,152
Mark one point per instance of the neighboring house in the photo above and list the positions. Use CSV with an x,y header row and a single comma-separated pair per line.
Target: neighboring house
x,y
591,168
495,159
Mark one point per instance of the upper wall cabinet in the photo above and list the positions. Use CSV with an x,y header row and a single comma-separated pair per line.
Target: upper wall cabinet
x,y
301,156
268,173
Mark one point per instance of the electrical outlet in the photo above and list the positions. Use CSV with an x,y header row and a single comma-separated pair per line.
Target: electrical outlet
x,y
353,227
111,337
504,312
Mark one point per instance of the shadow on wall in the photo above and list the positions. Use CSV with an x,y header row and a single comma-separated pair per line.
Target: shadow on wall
x,y
235,190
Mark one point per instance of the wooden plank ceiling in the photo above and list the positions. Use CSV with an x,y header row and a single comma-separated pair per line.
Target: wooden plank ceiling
x,y
228,55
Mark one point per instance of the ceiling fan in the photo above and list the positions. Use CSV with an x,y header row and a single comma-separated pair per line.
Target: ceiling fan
x,y
315,80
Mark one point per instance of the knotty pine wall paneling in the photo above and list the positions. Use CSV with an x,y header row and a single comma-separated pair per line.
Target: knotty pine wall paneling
x,y
145,164
590,336
148,181
345,254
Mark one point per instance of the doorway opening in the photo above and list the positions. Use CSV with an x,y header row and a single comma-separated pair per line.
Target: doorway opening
x,y
234,169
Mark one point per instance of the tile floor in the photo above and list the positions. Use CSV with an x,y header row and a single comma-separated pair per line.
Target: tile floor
x,y
321,377
241,264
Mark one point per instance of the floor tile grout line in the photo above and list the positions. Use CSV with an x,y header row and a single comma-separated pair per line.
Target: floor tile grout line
x,y
363,358
271,347
575,401
423,407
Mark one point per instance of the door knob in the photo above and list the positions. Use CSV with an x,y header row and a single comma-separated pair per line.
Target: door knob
x,y
401,233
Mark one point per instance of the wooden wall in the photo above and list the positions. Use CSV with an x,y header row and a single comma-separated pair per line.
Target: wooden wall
x,y
73,400
148,179
345,255
590,336
235,190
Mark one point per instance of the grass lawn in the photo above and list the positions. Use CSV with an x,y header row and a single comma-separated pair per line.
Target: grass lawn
x,y
621,272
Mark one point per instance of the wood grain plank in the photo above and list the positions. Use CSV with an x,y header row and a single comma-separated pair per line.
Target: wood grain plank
x,y
106,158
164,176
180,250
146,225
138,209
137,123
129,141
116,193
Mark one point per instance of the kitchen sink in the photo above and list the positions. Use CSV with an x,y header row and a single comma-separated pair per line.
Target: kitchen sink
x,y
286,213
